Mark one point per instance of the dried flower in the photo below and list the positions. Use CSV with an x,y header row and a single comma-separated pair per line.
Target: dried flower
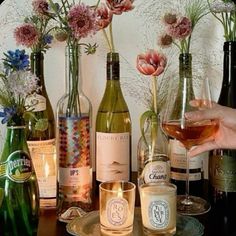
x,y
119,6
26,35
40,7
181,29
151,63
170,18
82,21
60,35
104,16
225,12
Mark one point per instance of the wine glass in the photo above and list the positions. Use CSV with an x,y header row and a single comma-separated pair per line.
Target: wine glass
x,y
181,99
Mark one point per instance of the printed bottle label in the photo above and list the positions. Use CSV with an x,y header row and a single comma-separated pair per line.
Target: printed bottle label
x,y
43,154
112,156
75,172
156,171
178,163
223,173
117,211
37,102
159,214
18,167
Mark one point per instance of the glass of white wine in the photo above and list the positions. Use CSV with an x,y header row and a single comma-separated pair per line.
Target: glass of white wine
x,y
174,123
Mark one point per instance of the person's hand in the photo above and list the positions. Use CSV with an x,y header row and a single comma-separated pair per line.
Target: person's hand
x,y
225,137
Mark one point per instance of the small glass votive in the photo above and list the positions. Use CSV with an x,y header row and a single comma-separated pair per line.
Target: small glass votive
x,y
116,203
158,208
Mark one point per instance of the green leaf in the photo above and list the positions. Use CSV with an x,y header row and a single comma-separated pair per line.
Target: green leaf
x,y
41,125
29,116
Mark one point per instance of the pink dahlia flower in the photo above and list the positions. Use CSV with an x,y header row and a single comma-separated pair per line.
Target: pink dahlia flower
x,y
181,29
120,6
104,16
151,63
26,35
40,7
82,20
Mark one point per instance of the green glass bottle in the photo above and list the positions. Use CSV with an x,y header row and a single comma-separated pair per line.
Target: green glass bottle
x,y
113,128
41,135
19,212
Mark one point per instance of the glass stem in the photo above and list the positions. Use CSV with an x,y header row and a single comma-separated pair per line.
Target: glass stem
x,y
187,176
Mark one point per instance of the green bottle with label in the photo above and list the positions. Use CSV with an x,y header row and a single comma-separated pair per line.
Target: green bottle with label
x,y
19,212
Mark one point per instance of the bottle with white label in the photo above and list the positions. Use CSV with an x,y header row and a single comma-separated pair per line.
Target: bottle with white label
x,y
74,195
152,154
41,135
113,129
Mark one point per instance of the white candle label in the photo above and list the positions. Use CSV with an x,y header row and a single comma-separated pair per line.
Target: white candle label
x,y
117,211
159,214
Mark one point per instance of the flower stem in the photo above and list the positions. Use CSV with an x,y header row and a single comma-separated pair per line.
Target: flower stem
x,y
154,91
111,37
107,39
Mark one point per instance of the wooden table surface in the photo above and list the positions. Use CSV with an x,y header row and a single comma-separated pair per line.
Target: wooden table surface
x,y
49,226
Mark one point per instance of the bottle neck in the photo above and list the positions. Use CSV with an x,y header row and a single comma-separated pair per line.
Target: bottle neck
x,y
185,65
37,66
113,67
73,83
16,137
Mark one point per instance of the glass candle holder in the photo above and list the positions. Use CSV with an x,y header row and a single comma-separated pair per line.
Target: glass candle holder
x,y
117,200
158,208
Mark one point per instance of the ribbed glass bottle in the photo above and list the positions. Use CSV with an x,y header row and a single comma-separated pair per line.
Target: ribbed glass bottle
x,y
19,212
41,135
176,150
113,129
73,143
222,163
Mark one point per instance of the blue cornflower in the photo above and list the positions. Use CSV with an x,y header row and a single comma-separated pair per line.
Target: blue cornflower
x,y
7,114
16,60
47,38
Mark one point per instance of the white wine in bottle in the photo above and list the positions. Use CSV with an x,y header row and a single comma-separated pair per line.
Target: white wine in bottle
x,y
41,136
113,129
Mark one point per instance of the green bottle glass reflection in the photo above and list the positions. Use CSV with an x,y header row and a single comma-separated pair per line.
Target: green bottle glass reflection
x,y
19,211
113,128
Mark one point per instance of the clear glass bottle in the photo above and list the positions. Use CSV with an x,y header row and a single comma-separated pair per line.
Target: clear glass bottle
x,y
152,153
222,162
19,213
41,135
113,129
73,143
176,150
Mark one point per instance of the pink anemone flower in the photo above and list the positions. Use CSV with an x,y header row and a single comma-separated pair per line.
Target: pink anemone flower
x,y
151,63
119,6
104,16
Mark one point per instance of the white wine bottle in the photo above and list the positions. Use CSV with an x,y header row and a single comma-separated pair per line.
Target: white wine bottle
x,y
113,129
41,136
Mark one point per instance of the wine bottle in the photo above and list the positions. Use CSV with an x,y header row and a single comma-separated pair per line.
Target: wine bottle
x,y
113,128
177,150
19,213
74,195
222,163
41,135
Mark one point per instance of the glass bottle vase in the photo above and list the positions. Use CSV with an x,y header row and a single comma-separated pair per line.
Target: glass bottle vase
x,y
152,154
74,195
19,212
176,150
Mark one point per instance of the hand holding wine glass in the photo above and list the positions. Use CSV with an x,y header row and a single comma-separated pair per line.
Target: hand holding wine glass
x,y
189,132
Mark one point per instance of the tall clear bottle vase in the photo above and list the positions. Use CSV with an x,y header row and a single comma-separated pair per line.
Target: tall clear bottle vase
x,y
176,150
74,195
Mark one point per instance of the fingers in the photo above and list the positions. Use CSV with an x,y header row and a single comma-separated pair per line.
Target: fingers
x,y
202,148
202,103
